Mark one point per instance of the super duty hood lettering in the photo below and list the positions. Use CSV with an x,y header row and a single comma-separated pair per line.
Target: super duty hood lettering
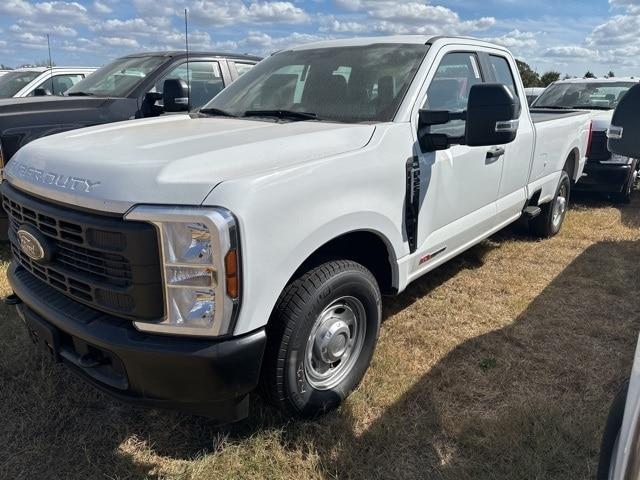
x,y
65,182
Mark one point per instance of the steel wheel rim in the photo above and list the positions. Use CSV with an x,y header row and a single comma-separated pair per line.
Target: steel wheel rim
x,y
335,343
560,205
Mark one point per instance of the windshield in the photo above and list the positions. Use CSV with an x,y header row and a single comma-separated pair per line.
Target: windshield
x,y
116,79
592,95
12,82
344,84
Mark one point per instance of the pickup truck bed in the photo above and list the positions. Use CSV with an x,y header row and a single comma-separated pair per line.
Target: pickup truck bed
x,y
540,115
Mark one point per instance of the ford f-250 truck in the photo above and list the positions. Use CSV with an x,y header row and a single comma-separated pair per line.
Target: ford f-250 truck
x,y
184,260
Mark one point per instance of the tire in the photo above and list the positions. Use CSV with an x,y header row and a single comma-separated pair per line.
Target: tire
x,y
307,332
629,185
611,435
549,222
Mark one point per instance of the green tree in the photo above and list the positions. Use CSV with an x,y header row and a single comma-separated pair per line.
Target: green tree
x,y
530,77
549,77
5,67
611,74
589,74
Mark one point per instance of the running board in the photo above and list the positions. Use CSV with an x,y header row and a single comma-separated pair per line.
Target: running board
x,y
531,211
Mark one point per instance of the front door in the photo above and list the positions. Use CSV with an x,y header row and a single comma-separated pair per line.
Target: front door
x,y
459,186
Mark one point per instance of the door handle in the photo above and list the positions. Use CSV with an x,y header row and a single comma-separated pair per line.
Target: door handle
x,y
495,152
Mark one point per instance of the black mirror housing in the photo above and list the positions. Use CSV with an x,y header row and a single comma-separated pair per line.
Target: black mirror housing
x,y
624,133
491,119
492,115
40,92
175,95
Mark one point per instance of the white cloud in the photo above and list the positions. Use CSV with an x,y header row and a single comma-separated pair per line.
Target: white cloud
x,y
517,40
571,51
101,7
390,17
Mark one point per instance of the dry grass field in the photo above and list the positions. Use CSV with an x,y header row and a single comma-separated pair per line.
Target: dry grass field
x,y
499,365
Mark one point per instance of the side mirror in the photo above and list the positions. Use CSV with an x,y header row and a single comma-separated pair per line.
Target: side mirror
x,y
491,118
624,133
175,95
40,92
492,115
152,97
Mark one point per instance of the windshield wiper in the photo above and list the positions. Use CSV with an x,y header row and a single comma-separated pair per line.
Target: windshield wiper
x,y
593,107
551,107
80,94
218,112
291,114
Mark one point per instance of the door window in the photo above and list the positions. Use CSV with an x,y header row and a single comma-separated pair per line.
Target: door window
x,y
204,78
58,84
242,68
450,87
502,72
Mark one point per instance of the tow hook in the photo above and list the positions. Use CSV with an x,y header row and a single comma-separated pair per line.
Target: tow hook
x,y
12,300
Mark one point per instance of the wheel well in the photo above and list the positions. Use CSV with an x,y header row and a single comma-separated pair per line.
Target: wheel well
x,y
366,248
571,164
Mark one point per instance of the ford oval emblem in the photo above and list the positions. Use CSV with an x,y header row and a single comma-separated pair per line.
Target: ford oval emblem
x,y
30,245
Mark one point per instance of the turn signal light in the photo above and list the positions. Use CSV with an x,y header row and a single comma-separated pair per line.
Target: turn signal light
x,y
231,274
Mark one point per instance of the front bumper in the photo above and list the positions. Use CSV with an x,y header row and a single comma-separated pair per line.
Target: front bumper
x,y
604,177
203,377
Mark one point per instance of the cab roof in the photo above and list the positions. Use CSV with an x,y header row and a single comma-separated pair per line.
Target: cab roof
x,y
399,39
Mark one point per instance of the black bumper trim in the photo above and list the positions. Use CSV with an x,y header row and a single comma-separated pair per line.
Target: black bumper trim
x,y
200,376
598,177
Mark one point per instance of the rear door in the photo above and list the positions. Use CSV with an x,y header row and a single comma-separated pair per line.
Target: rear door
x,y
459,186
512,193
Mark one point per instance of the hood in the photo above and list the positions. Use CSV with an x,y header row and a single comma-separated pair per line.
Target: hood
x,y
9,106
175,159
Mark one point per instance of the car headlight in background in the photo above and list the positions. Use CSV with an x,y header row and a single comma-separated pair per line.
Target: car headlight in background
x,y
200,269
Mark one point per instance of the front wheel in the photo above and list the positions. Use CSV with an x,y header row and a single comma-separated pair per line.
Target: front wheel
x,y
549,221
321,338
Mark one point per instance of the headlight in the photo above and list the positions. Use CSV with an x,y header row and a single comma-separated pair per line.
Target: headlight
x,y
199,248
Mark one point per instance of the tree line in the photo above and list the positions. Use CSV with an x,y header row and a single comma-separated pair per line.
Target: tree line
x,y
531,78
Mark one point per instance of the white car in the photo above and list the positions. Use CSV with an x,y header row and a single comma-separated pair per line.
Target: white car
x,y
180,261
604,171
33,81
533,93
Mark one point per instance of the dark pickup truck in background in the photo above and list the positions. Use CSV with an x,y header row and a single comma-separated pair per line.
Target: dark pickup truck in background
x,y
129,87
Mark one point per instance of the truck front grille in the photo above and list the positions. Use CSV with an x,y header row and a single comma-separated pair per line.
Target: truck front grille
x,y
105,262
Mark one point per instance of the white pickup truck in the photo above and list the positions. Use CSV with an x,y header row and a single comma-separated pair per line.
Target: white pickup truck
x,y
181,261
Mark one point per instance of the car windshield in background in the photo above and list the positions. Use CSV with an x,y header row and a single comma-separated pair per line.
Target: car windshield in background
x,y
343,84
591,95
116,79
12,82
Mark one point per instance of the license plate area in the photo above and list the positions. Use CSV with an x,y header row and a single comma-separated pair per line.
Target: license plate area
x,y
45,336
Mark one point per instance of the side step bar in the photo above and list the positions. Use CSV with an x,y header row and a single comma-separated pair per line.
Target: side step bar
x,y
531,211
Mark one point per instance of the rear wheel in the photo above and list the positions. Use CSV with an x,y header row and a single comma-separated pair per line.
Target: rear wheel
x,y
549,221
321,338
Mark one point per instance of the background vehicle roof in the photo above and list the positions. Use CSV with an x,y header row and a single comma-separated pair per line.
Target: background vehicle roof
x,y
182,53
600,80
46,69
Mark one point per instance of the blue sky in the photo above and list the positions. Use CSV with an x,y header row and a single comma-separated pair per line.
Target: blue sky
x,y
570,36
